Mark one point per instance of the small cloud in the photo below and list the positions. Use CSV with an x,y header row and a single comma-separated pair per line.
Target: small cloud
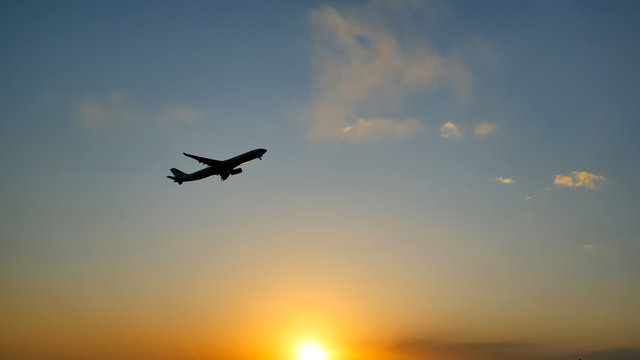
x,y
578,179
376,129
449,129
588,246
485,128
527,197
503,180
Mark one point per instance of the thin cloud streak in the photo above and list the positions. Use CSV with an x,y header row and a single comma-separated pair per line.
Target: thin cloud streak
x,y
502,350
377,129
471,350
118,109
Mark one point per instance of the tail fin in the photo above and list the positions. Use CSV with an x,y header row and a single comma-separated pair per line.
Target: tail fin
x,y
176,172
177,177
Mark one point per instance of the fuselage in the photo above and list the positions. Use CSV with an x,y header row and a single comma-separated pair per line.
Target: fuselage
x,y
241,159
224,168
200,174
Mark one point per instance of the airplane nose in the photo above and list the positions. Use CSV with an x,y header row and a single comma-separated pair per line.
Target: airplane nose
x,y
263,151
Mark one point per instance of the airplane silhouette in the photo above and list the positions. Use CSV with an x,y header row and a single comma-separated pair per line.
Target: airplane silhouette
x,y
224,168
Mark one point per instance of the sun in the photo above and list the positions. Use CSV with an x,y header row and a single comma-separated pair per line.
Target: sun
x,y
311,350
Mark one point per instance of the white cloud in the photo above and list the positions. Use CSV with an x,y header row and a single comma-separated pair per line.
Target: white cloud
x,y
527,197
362,66
503,180
485,128
449,129
578,179
119,110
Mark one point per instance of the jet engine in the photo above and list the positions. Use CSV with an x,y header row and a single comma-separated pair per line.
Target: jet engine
x,y
236,171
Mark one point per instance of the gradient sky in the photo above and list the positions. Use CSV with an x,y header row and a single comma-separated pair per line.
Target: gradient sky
x,y
444,180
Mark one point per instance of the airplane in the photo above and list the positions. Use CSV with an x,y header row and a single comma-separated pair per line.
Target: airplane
x,y
224,168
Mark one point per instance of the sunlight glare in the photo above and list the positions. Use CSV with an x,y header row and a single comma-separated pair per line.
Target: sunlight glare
x,y
311,350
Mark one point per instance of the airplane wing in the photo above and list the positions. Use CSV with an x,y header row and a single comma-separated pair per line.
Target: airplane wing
x,y
204,160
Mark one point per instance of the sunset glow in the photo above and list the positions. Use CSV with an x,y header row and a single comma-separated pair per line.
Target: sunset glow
x,y
311,350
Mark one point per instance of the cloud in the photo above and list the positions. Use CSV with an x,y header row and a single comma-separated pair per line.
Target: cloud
x,y
362,67
472,350
181,114
501,350
503,180
594,247
114,108
449,129
485,128
119,110
613,354
376,129
527,197
578,179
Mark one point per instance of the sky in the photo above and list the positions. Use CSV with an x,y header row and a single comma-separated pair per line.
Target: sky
x,y
444,180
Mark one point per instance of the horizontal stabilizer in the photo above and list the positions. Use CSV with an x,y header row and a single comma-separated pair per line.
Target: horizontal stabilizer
x,y
175,179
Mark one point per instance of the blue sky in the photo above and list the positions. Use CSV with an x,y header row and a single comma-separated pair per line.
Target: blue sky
x,y
377,205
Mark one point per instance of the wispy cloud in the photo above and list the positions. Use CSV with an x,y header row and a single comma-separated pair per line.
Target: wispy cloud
x,y
180,114
594,247
485,128
449,129
115,108
503,180
363,66
119,109
376,129
578,179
